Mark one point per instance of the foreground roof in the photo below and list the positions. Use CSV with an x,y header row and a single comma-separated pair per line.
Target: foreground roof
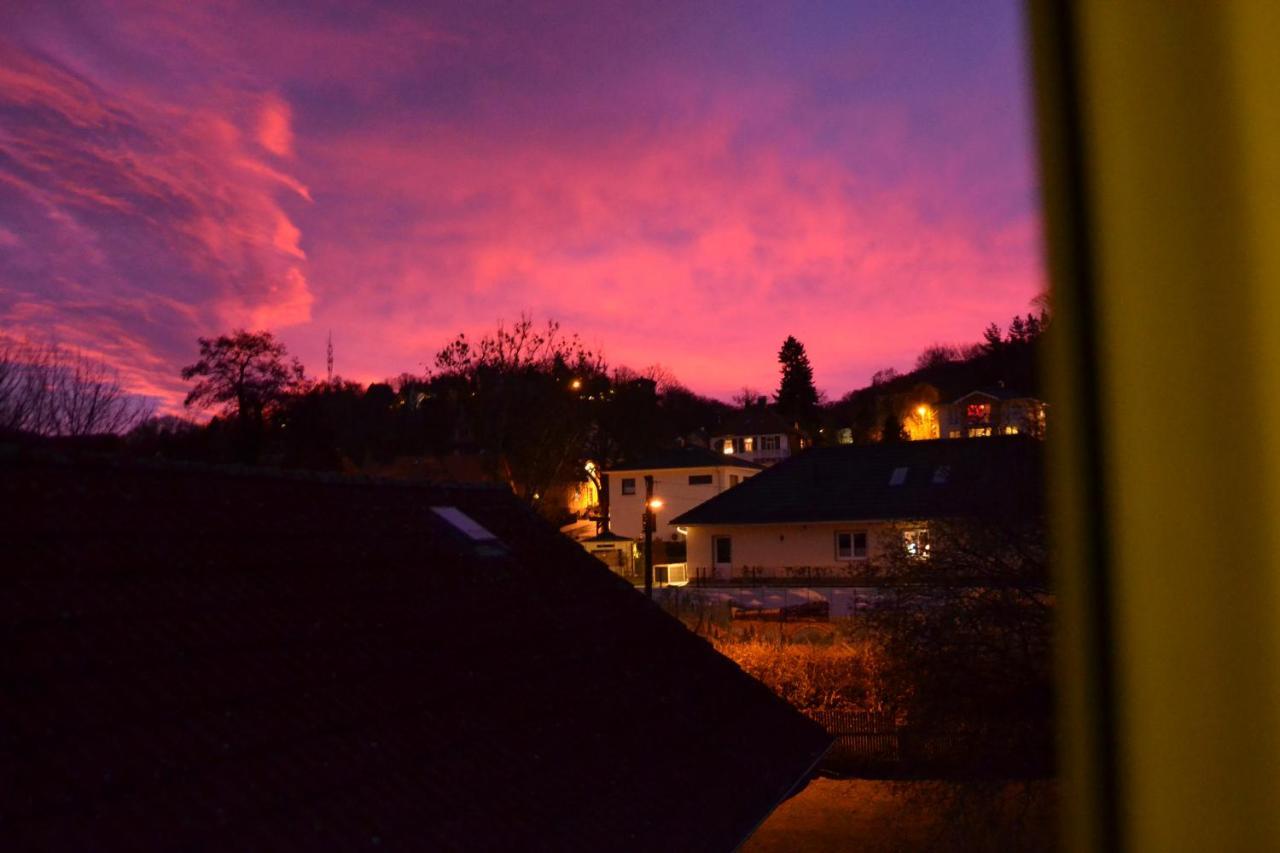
x,y
686,457
203,660
857,483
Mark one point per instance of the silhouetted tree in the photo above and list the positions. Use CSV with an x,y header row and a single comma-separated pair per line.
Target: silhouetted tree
x,y
57,391
797,398
246,375
892,430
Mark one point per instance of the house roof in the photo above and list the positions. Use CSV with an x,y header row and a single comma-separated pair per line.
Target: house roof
x,y
755,420
856,483
607,536
196,659
685,457
997,392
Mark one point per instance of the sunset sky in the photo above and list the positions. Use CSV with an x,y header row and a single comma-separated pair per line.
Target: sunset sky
x,y
683,183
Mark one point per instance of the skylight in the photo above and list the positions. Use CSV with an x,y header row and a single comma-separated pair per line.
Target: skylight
x,y
898,477
941,474
464,523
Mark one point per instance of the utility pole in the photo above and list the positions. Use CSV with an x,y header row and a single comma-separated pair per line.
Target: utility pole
x,y
649,523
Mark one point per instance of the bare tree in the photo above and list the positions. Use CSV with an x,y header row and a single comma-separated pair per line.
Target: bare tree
x,y
56,391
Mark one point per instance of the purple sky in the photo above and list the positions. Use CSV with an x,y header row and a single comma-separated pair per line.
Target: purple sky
x,y
681,183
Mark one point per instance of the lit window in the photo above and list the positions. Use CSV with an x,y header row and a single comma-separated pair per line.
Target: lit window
x,y
916,543
979,432
1011,430
722,551
728,446
748,444
979,412
851,546
629,485
699,479
941,474
953,433
898,477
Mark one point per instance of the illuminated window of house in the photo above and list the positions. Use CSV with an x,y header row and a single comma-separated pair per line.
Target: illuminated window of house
x,y
851,545
979,432
699,479
978,412
728,446
1011,430
916,543
722,551
748,444
898,477
954,433
629,485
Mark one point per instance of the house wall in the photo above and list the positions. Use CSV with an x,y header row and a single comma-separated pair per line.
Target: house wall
x,y
672,486
772,548
1026,415
756,454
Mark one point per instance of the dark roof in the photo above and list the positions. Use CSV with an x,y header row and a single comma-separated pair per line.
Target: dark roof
x,y
852,483
199,660
756,420
685,457
607,536
998,392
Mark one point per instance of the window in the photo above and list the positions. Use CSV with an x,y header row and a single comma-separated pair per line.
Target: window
x,y
770,442
734,479
728,446
699,479
978,412
1011,430
898,477
721,551
979,432
954,433
748,444
628,485
916,543
851,545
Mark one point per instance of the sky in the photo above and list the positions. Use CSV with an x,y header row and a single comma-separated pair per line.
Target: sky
x,y
680,183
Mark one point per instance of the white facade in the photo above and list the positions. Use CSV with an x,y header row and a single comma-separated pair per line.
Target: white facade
x,y
679,489
761,449
831,549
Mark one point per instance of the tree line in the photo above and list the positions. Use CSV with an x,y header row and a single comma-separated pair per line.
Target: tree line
x,y
525,404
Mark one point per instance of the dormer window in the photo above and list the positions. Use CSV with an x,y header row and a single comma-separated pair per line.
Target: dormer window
x,y
728,447
748,444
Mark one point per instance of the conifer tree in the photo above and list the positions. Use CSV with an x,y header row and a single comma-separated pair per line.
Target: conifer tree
x,y
797,398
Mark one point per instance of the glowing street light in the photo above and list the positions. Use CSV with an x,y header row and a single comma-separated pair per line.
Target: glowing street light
x,y
655,504
576,384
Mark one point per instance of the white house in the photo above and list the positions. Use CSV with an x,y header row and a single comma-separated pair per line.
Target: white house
x,y
833,511
682,479
758,434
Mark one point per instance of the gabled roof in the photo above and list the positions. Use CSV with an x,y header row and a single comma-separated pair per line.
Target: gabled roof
x,y
685,457
860,483
195,659
756,420
996,392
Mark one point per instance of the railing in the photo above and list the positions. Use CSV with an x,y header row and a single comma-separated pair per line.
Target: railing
x,y
671,574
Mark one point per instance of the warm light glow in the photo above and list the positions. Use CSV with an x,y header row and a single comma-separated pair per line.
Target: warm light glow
x,y
576,384
922,410
655,503
590,466
728,447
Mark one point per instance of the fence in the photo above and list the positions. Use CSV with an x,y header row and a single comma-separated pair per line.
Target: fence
x,y
862,738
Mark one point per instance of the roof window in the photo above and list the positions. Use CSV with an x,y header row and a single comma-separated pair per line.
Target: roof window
x,y
898,477
941,474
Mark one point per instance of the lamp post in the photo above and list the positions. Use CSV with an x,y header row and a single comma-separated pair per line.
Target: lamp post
x,y
650,522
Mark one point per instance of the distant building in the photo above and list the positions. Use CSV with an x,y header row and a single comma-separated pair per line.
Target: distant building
x,y
682,478
758,434
832,511
991,411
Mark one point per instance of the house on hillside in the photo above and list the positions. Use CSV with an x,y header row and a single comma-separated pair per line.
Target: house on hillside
x,y
683,477
834,511
238,660
758,434
992,411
